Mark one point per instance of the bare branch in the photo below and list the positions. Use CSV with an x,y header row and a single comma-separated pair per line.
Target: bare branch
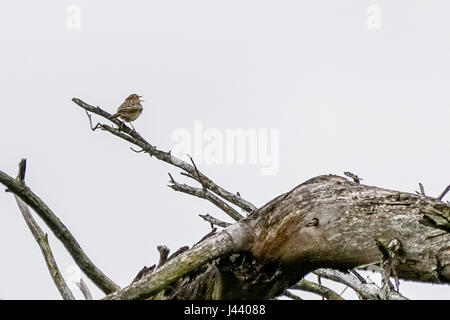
x,y
442,195
317,288
22,170
228,241
172,180
84,289
137,151
353,176
289,294
391,258
42,240
198,174
98,125
360,277
188,175
163,254
369,291
205,194
214,221
422,189
134,137
60,231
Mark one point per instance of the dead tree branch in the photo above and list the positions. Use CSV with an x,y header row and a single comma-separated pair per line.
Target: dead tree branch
x,y
84,289
317,288
442,195
325,222
214,221
230,240
353,176
391,258
42,240
60,231
163,254
368,291
205,194
292,296
135,138
422,189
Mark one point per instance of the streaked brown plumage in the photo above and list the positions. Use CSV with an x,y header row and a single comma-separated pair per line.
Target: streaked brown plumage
x,y
130,109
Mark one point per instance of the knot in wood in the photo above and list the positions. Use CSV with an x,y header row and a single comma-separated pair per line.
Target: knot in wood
x,y
312,223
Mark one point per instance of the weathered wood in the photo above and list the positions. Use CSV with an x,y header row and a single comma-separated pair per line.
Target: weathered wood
x,y
326,222
230,240
351,217
60,231
42,240
136,139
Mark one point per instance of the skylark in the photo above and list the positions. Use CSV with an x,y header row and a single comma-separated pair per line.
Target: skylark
x,y
130,109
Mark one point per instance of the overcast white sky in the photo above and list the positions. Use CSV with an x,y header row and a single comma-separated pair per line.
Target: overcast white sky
x,y
357,86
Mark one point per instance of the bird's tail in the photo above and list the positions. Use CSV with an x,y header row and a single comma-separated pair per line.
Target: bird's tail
x,y
115,116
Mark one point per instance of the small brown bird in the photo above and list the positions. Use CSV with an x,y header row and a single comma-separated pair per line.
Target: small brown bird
x,y
130,109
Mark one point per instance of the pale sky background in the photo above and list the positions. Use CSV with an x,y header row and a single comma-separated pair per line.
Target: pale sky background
x,y
342,96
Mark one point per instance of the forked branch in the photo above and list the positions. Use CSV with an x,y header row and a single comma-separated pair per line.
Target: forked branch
x,y
135,138
42,240
21,190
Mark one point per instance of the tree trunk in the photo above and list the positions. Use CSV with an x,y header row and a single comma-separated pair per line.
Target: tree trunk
x,y
327,222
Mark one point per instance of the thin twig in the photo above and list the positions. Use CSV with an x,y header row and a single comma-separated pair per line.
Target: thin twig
x,y
442,195
319,278
360,277
84,289
422,189
98,125
163,254
342,292
317,288
391,255
172,180
198,173
22,170
188,175
205,194
214,221
137,151
289,294
369,291
42,240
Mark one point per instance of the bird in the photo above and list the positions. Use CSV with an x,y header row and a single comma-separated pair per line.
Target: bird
x,y
130,109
